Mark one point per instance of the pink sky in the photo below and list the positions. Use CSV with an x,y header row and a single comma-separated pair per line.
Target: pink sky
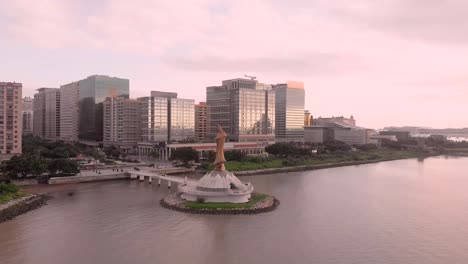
x,y
389,62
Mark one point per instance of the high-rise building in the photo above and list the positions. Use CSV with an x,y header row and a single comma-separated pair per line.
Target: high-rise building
x,y
181,119
122,122
10,119
307,118
82,106
27,113
46,109
166,118
200,121
290,98
244,108
154,119
69,112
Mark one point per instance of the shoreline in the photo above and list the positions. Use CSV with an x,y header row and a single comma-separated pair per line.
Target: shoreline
x,y
44,189
320,166
21,206
73,180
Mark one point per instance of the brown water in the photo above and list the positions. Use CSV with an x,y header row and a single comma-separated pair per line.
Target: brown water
x,y
404,211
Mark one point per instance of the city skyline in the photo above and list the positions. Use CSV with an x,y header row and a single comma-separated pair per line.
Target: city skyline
x,y
352,61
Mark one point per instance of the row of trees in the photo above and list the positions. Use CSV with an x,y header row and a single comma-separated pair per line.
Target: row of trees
x,y
284,150
281,150
50,149
185,155
32,165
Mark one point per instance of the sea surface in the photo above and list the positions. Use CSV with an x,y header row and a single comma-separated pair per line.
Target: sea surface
x,y
406,211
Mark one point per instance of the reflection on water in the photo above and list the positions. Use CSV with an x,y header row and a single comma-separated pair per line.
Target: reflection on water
x,y
392,212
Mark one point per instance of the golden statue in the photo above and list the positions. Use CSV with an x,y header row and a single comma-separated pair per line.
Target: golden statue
x,y
220,160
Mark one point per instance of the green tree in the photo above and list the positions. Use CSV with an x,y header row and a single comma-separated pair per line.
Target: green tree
x,y
287,150
234,154
95,153
366,147
391,144
336,145
184,155
48,149
17,165
154,154
38,166
112,151
63,166
210,155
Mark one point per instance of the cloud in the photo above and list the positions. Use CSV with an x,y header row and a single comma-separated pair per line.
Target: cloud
x,y
311,64
338,47
428,20
138,26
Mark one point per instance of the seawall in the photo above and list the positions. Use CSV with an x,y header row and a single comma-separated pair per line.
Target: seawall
x,y
91,178
20,206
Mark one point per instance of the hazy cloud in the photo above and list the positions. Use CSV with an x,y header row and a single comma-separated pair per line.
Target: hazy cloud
x,y
432,20
310,64
352,51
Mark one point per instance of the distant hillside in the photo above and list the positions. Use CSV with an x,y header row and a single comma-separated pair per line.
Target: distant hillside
x,y
433,131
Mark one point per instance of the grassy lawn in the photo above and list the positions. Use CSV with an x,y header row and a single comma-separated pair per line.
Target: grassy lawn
x,y
246,165
10,192
322,159
253,200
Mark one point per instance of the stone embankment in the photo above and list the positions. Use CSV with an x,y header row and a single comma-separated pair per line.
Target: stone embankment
x,y
22,205
175,202
89,178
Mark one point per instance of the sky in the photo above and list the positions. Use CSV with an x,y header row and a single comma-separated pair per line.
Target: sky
x,y
387,62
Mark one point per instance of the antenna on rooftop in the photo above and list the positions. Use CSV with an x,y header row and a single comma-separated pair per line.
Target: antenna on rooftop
x,y
251,77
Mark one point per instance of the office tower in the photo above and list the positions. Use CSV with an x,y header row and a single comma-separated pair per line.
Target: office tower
x,y
69,112
167,118
10,119
181,119
244,108
27,113
81,110
122,122
200,121
46,115
154,119
307,118
290,98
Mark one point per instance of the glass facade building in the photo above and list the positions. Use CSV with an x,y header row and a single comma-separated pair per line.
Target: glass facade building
x,y
182,119
81,108
244,108
290,99
27,112
47,113
218,109
167,118
92,93
154,119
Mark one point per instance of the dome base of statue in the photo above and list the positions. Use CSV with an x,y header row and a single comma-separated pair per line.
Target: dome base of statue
x,y
215,187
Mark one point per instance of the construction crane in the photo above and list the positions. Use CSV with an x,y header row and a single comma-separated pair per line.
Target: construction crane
x,y
251,77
